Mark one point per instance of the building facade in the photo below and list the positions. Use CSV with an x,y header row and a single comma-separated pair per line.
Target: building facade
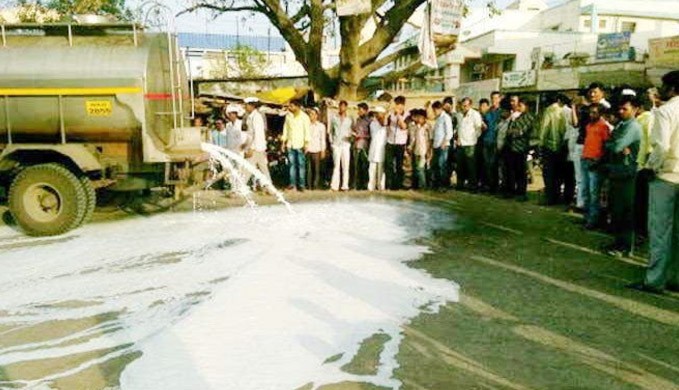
x,y
219,56
532,47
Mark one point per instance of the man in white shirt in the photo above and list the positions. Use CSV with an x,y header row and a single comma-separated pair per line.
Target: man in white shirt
x,y
376,153
441,136
341,128
397,138
468,135
236,139
316,149
256,131
663,268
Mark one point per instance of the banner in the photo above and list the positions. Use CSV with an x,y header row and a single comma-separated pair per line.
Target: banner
x,y
353,7
526,78
613,47
426,42
664,52
446,16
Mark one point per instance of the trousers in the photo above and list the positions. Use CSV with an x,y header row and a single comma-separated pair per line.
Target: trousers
x,y
341,156
663,229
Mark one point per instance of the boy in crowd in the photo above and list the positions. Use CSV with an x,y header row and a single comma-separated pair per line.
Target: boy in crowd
x,y
397,138
359,157
419,147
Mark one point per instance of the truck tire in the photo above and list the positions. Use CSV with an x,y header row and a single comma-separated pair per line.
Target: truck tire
x,y
47,200
91,196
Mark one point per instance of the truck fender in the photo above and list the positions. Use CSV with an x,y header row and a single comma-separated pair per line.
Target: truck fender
x,y
78,154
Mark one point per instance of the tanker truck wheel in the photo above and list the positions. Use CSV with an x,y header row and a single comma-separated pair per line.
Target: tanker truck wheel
x,y
91,196
47,200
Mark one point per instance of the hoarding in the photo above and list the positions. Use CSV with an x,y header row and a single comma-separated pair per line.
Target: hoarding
x,y
664,52
520,79
446,16
613,47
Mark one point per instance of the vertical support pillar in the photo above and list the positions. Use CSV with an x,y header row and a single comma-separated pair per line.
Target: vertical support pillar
x,y
8,122
62,126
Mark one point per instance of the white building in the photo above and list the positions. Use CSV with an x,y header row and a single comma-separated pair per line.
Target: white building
x,y
213,56
528,35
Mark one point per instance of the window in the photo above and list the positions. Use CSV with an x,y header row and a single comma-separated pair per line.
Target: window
x,y
628,27
508,65
602,23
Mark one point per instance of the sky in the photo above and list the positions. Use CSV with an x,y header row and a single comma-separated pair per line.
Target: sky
x,y
244,23
247,24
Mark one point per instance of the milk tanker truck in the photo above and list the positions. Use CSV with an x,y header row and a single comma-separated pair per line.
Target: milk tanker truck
x,y
85,107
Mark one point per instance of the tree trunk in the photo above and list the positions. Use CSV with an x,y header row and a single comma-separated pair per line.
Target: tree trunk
x,y
349,87
321,83
350,71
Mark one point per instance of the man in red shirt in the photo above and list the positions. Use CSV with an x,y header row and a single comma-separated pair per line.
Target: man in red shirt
x,y
596,135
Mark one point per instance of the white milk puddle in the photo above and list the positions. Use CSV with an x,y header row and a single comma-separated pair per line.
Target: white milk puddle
x,y
229,299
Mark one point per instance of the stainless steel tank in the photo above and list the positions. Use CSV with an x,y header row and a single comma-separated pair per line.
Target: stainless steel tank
x,y
94,84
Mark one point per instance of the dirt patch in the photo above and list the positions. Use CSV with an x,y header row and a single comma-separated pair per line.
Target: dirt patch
x,y
367,359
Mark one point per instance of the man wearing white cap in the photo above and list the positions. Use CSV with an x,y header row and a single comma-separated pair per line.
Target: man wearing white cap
x,y
256,131
235,137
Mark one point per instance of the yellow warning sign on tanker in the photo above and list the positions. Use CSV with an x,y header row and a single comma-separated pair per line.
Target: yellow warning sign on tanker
x,y
99,108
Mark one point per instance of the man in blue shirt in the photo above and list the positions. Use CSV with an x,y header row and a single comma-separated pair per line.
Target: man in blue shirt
x,y
490,157
622,150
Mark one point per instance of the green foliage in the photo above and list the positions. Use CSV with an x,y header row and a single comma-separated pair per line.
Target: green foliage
x,y
242,61
247,61
67,8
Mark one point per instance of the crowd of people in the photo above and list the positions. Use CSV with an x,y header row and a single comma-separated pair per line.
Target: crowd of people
x,y
599,155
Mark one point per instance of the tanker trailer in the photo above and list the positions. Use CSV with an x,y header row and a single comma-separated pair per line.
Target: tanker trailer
x,y
87,107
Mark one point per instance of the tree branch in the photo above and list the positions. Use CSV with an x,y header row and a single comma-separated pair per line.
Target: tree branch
x,y
304,11
219,8
388,59
387,29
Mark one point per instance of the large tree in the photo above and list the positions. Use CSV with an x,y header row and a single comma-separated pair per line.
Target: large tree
x,y
305,23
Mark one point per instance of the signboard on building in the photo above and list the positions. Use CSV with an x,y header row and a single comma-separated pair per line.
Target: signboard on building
x,y
613,47
353,7
446,16
519,79
664,52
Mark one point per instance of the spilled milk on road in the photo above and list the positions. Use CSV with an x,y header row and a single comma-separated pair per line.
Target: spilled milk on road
x,y
222,300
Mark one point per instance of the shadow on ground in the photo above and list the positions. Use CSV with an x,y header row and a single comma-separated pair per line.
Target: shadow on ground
x,y
540,307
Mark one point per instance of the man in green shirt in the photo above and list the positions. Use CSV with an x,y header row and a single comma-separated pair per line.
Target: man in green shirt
x,y
553,149
295,139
